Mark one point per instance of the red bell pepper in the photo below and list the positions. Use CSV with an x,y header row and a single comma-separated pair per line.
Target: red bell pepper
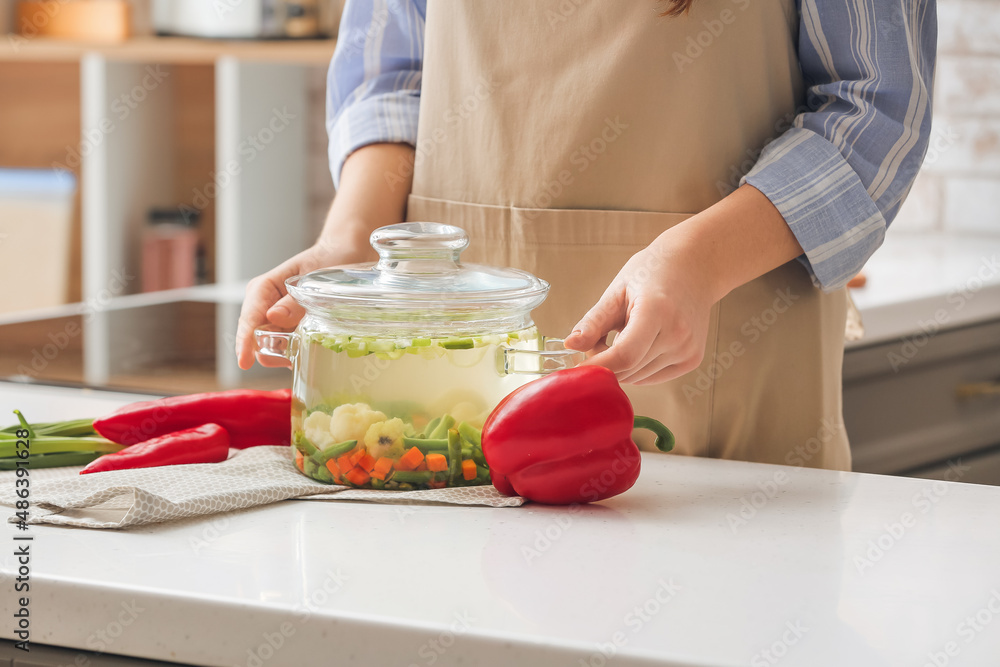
x,y
567,438
250,417
208,443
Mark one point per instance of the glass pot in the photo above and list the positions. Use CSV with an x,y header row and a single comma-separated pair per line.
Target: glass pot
x,y
397,364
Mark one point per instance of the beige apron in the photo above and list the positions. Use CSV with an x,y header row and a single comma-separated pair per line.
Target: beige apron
x,y
564,136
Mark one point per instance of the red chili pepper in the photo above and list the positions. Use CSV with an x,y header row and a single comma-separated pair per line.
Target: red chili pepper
x,y
250,417
208,443
567,438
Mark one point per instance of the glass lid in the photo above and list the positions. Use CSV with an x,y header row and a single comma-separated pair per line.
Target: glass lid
x,y
419,277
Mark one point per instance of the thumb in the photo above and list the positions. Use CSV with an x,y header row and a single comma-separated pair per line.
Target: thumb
x,y
607,315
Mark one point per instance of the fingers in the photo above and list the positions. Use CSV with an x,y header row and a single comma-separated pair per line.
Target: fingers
x,y
666,374
261,293
635,341
662,369
607,315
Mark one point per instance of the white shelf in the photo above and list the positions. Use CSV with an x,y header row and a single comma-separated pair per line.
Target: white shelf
x,y
231,294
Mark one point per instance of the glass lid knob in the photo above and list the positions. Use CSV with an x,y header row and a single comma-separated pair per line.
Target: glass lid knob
x,y
418,248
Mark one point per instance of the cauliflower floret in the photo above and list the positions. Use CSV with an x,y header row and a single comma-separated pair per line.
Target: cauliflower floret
x,y
317,429
386,438
352,420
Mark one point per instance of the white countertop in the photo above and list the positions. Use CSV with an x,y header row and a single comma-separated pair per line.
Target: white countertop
x,y
917,281
831,569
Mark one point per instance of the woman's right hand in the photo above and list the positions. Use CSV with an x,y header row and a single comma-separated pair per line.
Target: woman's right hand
x,y
267,300
367,199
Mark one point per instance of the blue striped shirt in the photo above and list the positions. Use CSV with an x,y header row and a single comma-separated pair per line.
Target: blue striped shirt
x,y
838,175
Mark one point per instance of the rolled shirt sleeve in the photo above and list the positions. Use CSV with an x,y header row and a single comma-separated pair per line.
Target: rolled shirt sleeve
x,y
840,174
373,84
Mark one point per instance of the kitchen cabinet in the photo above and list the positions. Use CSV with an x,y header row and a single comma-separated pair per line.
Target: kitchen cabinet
x,y
921,389
913,403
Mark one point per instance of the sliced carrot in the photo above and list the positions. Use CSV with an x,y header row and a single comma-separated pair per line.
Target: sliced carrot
x,y
358,477
436,462
357,455
382,467
344,463
366,462
437,484
410,460
469,469
334,469
299,459
422,467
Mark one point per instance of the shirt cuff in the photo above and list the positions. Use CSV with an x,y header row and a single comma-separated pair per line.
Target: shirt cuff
x,y
824,202
386,118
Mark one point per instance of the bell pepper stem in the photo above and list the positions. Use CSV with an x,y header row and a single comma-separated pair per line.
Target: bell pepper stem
x,y
664,437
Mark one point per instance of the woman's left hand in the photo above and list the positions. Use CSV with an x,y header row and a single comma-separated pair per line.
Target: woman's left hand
x,y
660,304
661,301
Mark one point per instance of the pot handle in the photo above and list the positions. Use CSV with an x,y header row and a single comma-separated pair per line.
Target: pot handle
x,y
275,344
554,356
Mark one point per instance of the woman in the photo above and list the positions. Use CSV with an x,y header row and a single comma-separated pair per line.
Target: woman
x,y
662,166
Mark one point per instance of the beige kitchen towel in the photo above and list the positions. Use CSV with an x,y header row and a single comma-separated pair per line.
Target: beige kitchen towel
x,y
250,477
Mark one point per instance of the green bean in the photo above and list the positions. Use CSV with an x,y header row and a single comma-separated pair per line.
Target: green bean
x,y
454,457
431,425
478,457
309,467
59,445
25,425
427,445
303,445
441,430
412,476
51,460
323,474
378,483
471,433
334,451
73,428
